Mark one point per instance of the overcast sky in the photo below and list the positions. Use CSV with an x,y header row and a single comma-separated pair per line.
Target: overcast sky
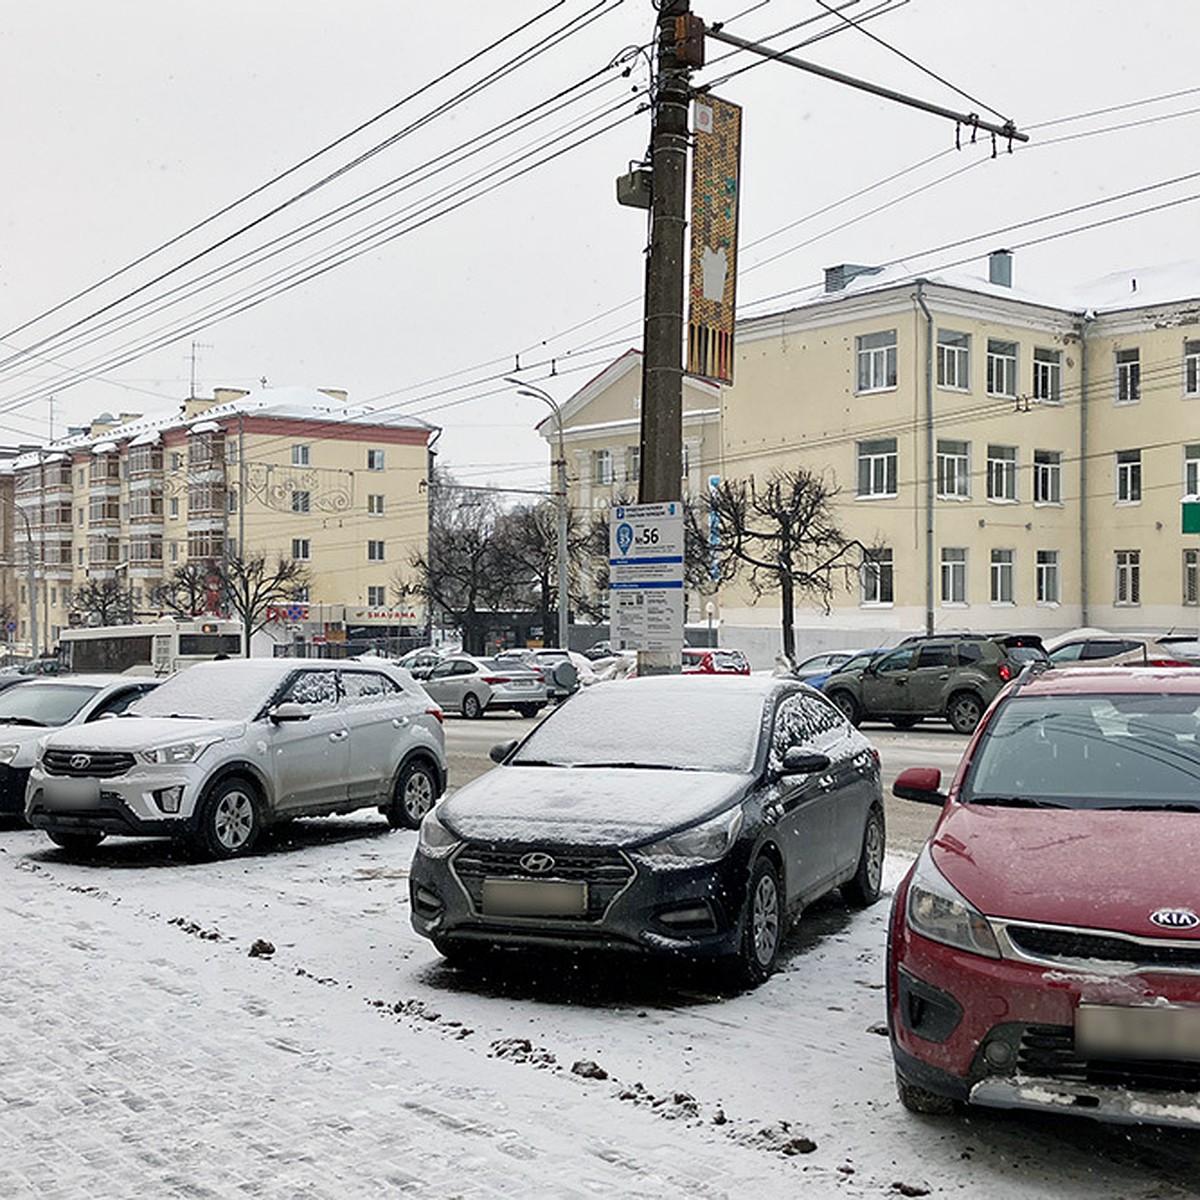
x,y
130,124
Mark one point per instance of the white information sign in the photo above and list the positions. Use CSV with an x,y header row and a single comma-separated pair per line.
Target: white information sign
x,y
645,574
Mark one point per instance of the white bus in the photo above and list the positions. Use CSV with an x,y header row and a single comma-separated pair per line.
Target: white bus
x,y
158,647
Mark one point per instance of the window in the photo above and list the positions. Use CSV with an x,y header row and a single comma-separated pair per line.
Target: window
x,y
953,469
1002,576
174,508
954,575
1191,577
1047,477
954,360
301,502
1129,578
633,464
176,460
1001,368
1191,368
374,460
81,517
174,552
376,597
877,467
602,466
231,502
876,361
1129,376
375,551
300,457
375,505
1129,477
78,561
876,577
300,549
1002,473
300,595
1047,375
1191,470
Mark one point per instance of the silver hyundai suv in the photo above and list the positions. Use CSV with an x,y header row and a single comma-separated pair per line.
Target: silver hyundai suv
x,y
222,750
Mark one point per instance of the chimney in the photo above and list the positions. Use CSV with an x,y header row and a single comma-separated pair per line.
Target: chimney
x,y
1000,268
836,278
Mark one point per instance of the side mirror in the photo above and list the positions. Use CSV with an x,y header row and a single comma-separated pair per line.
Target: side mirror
x,y
798,761
502,750
921,784
289,711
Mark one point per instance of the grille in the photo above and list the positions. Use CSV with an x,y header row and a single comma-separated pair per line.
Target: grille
x,y
101,764
1048,1052
606,872
1078,944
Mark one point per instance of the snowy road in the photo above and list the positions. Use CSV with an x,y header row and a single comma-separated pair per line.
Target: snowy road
x,y
145,1052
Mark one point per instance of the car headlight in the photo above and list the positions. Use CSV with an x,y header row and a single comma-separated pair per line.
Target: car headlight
x,y
177,752
937,911
8,753
708,842
434,839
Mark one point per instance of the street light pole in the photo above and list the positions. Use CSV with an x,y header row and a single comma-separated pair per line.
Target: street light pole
x,y
31,577
560,494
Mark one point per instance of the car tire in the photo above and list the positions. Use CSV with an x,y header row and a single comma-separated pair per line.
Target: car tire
x,y
964,712
762,925
846,705
461,954
230,819
922,1100
529,710
414,795
471,708
864,886
904,722
76,843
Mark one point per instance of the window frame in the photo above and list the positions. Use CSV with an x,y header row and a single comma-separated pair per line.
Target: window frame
x,y
1047,478
954,570
875,357
301,454
1127,368
1191,367
376,550
376,459
602,467
1127,590
952,462
877,578
1048,579
1002,473
1191,470
1003,361
1047,375
376,595
1191,577
1003,576
881,466
301,507
954,360
302,549
1127,485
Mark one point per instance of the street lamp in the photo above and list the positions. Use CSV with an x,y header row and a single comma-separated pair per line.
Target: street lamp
x,y
528,389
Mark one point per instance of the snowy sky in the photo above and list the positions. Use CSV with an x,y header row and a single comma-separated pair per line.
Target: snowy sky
x,y
129,125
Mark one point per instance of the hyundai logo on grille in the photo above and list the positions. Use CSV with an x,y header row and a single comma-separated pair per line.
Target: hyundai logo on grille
x,y
1175,918
537,863
80,762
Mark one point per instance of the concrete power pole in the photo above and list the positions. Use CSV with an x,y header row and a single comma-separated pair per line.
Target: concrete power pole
x,y
662,361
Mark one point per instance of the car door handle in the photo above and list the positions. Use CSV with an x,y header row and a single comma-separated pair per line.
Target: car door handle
x,y
399,722
827,783
339,735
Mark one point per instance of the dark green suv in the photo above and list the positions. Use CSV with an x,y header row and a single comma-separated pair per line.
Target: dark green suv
x,y
954,677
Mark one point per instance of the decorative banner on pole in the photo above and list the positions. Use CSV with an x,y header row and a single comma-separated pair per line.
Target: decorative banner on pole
x,y
716,185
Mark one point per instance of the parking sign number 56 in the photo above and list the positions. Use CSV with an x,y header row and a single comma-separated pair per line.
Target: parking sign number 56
x,y
648,536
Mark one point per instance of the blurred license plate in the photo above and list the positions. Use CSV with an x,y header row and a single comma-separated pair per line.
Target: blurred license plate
x,y
1124,1032
533,898
71,793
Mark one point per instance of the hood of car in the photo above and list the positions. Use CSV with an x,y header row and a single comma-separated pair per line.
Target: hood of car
x,y
136,733
586,806
1099,869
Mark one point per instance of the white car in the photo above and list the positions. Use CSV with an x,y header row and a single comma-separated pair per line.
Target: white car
x,y
224,749
30,709
471,686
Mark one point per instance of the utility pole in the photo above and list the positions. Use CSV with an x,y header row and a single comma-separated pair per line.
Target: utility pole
x,y
662,358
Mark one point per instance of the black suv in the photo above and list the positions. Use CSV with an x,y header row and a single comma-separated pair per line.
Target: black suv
x,y
954,677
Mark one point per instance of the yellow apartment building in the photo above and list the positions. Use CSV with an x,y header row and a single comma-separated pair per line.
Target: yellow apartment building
x,y
1015,461
291,473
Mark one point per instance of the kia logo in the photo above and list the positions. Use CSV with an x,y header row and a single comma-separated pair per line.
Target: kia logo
x,y
537,863
1175,918
80,762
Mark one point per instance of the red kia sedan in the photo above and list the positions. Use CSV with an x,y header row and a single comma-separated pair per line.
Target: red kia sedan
x,y
1044,949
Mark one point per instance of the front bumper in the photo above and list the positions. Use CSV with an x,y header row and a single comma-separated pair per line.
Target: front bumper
x,y
129,805
693,911
1001,1032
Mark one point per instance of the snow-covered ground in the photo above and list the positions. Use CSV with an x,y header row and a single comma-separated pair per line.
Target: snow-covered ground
x,y
148,1049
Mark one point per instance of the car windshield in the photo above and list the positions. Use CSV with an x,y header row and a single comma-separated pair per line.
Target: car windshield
x,y
1121,750
619,724
217,691
44,703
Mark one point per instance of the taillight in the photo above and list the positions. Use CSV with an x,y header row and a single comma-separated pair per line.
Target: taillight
x,y
436,712
1005,672
496,679
1171,662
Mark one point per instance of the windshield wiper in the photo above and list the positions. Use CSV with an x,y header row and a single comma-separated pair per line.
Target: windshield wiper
x,y
635,766
1157,806
532,762
21,721
1017,802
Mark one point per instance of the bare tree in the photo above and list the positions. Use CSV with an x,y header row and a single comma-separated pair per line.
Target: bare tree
x,y
784,531
102,602
192,588
253,585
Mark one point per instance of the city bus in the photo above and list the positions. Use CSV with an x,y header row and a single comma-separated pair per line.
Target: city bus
x,y
157,647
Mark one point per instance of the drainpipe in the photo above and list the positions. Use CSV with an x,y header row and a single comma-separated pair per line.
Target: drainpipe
x,y
931,473
1084,595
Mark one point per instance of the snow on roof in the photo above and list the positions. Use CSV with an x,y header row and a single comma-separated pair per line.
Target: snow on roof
x,y
150,438
1138,287
205,427
104,448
